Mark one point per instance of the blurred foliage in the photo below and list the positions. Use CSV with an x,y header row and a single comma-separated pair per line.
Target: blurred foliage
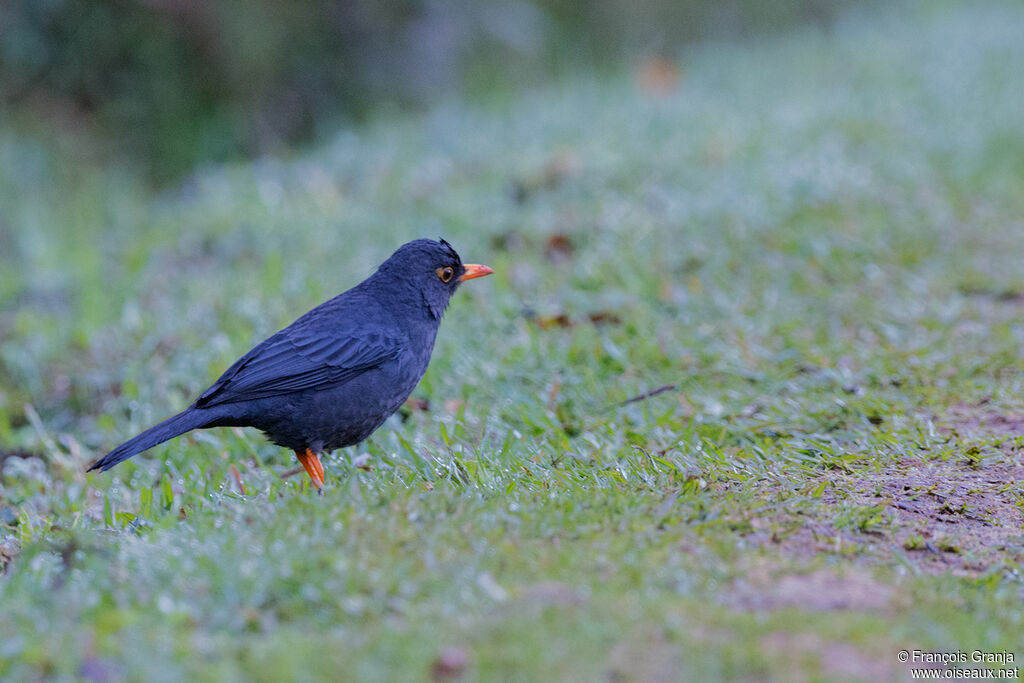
x,y
176,82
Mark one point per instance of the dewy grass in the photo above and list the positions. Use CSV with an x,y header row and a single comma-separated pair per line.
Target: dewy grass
x,y
814,241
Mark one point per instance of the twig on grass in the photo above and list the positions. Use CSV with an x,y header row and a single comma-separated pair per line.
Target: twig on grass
x,y
646,395
292,472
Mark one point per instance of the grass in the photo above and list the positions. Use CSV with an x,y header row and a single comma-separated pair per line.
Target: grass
x,y
814,240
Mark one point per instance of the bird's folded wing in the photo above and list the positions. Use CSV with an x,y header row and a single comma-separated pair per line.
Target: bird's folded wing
x,y
300,358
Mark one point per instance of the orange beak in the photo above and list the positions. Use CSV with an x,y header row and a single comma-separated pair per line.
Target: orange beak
x,y
475,270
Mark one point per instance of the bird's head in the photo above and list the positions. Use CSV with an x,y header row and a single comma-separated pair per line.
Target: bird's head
x,y
431,268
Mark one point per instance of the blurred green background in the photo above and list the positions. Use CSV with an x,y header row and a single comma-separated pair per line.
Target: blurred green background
x,y
168,84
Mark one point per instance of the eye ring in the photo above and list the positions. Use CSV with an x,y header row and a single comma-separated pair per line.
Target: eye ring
x,y
446,274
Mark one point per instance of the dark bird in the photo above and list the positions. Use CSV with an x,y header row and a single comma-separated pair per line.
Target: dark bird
x,y
333,376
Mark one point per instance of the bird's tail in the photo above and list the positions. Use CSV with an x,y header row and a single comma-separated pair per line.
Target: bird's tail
x,y
184,421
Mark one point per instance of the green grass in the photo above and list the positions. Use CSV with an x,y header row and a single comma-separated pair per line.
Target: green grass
x,y
816,240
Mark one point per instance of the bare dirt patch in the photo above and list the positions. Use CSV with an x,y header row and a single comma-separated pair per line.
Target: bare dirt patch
x,y
818,591
959,515
646,655
953,516
554,593
981,420
937,515
835,661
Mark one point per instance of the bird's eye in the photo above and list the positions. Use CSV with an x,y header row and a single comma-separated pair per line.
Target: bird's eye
x,y
445,273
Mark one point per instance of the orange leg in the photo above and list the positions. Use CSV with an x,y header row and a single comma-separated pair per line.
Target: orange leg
x,y
315,468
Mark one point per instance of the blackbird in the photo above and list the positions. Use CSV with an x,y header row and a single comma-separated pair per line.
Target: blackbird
x,y
333,376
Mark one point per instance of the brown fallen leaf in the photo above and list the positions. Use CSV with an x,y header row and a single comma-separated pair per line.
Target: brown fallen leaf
x,y
548,321
604,318
563,320
451,663
420,404
558,248
658,76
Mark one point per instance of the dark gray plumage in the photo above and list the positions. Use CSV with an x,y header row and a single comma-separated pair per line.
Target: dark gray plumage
x,y
333,376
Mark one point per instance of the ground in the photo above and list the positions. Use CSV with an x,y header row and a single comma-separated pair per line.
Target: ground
x,y
801,257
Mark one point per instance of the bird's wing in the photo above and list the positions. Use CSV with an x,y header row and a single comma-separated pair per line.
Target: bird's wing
x,y
315,352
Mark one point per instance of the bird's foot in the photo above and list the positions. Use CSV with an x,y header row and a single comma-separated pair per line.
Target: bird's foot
x,y
315,468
